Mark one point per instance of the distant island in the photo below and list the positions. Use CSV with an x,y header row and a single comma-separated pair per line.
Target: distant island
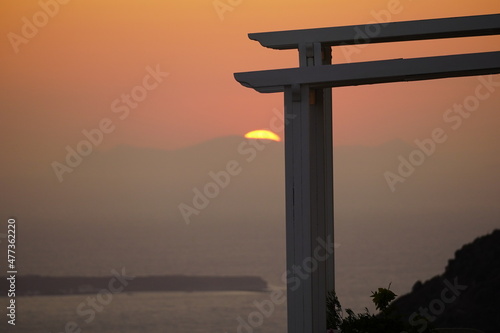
x,y
466,295
33,285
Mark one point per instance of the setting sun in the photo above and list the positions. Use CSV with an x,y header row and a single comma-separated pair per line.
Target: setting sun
x,y
263,134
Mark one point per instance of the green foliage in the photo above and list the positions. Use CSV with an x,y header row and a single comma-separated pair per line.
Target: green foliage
x,y
382,298
387,321
333,310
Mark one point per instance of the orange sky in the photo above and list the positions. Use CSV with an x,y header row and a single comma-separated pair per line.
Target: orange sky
x,y
65,78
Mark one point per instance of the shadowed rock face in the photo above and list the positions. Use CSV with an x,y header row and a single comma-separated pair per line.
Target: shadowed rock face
x,y
466,295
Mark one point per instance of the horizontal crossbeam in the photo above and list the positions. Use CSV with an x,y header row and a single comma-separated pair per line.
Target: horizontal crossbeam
x,y
469,26
383,71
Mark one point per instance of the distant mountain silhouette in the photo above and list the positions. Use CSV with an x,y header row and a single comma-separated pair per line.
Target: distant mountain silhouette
x,y
140,183
466,295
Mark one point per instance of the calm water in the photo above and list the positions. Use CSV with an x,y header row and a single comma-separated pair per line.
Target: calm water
x,y
369,256
151,312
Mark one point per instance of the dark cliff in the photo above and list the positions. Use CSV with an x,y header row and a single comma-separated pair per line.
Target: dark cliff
x,y
466,295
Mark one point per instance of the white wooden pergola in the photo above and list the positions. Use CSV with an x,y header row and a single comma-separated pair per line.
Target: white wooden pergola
x,y
308,136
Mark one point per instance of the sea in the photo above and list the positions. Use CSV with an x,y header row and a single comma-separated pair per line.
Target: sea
x,y
367,257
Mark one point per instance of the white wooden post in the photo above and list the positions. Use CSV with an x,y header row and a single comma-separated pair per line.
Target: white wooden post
x,y
309,196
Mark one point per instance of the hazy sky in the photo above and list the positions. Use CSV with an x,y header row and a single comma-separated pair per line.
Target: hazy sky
x,y
69,72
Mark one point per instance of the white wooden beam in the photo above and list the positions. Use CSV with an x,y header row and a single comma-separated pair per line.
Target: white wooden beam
x,y
468,26
373,72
